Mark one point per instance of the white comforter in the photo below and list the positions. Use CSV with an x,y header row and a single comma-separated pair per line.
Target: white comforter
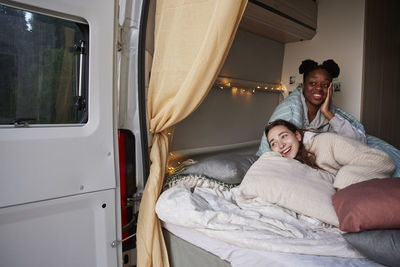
x,y
250,223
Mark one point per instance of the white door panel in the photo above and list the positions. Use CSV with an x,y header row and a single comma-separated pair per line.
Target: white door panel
x,y
72,231
50,166
46,162
59,183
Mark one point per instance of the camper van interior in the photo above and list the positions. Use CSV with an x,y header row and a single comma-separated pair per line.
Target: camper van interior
x,y
129,128
211,149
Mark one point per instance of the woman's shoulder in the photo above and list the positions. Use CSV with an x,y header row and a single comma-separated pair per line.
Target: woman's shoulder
x,y
332,137
336,141
327,135
324,139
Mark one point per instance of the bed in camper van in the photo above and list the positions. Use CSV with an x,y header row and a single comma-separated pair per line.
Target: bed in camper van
x,y
206,132
208,220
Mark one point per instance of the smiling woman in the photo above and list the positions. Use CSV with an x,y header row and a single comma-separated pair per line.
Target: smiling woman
x,y
317,86
285,138
284,141
310,106
350,161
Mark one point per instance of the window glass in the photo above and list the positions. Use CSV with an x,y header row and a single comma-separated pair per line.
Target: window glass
x,y
43,70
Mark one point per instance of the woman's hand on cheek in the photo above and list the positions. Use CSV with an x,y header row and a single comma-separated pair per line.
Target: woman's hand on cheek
x,y
327,103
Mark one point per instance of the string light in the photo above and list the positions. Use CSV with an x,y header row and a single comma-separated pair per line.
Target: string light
x,y
246,87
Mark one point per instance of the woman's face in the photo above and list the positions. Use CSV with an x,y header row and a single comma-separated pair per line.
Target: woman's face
x,y
284,141
315,87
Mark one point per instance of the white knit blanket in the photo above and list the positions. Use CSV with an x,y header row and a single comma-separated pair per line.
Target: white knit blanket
x,y
250,223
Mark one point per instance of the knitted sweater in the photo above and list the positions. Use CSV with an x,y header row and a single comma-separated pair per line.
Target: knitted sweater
x,y
349,160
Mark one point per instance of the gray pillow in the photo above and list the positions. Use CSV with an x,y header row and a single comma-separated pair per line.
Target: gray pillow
x,y
382,246
229,168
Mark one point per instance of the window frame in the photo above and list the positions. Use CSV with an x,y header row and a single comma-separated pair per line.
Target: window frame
x,y
85,91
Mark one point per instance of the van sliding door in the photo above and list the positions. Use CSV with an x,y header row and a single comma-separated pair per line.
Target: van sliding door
x,y
58,180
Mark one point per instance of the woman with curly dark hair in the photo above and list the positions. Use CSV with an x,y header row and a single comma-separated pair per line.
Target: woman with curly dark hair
x,y
317,86
310,106
319,112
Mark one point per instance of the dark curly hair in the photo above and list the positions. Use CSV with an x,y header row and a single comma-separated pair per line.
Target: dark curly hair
x,y
303,155
309,65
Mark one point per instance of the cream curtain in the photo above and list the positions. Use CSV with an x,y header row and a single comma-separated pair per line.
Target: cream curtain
x,y
192,39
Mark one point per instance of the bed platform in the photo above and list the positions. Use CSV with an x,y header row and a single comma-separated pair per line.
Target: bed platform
x,y
187,247
183,253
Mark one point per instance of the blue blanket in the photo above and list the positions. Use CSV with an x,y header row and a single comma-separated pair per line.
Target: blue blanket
x,y
291,110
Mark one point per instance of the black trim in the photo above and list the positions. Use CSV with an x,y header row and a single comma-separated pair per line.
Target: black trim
x,y
142,89
260,4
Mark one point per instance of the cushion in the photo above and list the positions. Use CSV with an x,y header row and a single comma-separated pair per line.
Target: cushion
x,y
372,204
292,185
227,168
382,246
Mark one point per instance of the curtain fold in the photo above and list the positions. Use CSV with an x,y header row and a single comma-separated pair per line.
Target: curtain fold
x,y
192,40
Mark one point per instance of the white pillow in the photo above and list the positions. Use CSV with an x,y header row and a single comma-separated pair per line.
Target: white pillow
x,y
292,185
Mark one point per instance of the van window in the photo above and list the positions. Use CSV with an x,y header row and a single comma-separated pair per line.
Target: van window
x,y
43,69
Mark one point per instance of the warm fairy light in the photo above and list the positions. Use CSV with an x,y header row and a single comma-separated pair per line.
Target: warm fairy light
x,y
247,87
171,170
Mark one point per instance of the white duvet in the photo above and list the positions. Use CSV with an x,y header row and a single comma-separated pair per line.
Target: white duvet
x,y
250,223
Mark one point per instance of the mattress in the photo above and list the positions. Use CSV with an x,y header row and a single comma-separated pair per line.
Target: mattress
x,y
188,247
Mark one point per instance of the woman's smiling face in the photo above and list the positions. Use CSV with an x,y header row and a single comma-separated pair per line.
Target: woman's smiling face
x,y
284,141
315,87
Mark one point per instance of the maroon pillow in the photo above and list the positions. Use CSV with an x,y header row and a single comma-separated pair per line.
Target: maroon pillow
x,y
372,204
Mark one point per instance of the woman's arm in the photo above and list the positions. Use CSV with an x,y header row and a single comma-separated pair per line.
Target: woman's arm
x,y
343,127
350,160
337,123
325,107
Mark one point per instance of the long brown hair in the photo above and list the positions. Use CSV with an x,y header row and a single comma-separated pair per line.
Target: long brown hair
x,y
303,155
